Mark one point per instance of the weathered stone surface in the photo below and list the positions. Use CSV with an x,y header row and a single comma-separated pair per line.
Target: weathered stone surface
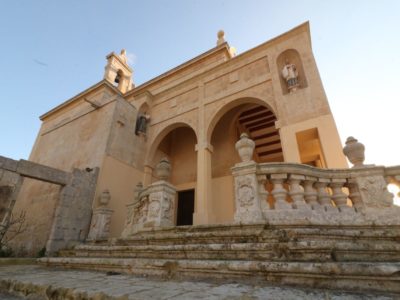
x,y
153,207
100,224
72,216
357,256
39,282
296,189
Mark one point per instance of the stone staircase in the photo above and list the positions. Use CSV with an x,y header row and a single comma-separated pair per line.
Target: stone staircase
x,y
357,257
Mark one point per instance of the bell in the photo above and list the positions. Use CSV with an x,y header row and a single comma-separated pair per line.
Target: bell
x,y
117,78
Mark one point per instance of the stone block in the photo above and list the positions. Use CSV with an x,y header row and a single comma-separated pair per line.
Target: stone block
x,y
41,172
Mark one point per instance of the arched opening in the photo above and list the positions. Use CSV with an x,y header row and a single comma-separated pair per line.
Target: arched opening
x,y
177,144
118,77
258,121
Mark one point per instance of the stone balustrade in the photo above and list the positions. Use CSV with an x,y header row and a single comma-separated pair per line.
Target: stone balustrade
x,y
268,190
290,192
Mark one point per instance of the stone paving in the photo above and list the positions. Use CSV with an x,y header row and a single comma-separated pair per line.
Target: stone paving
x,y
36,282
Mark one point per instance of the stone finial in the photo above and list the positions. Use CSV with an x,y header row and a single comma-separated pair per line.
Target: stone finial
x,y
105,198
221,39
163,169
354,151
122,55
245,147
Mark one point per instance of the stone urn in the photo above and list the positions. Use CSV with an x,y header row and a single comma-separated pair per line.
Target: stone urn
x,y
354,151
163,169
104,198
245,147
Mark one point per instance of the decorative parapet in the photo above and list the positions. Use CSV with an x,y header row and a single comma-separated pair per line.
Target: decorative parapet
x,y
286,191
290,192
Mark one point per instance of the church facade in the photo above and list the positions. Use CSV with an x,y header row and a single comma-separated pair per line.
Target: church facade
x,y
190,117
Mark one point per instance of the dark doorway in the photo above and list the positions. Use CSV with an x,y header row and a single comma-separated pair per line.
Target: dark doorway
x,y
185,208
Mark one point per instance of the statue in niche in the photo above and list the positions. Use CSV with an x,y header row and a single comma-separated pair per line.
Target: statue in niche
x,y
291,75
141,124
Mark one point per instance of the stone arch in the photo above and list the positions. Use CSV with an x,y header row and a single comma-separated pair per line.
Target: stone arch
x,y
228,106
293,57
160,134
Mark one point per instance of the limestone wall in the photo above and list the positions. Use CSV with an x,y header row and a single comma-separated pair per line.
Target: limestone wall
x,y
76,138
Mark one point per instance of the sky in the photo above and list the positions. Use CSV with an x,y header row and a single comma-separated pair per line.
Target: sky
x,y
52,50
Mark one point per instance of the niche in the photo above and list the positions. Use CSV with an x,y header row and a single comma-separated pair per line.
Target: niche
x,y
292,57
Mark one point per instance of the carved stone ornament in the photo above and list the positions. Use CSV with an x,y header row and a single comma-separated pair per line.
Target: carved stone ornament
x,y
354,151
163,169
245,147
374,192
104,198
154,207
245,192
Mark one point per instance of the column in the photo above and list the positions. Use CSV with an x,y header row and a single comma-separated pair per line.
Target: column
x,y
203,202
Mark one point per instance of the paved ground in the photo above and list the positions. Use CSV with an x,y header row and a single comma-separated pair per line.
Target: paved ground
x,y
36,282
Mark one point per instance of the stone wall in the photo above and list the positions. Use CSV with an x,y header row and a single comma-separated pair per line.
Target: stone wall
x,y
73,208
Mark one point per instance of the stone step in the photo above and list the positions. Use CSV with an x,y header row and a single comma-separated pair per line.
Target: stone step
x,y
319,250
259,233
363,276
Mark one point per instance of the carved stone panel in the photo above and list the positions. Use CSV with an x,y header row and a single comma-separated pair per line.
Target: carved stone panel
x,y
248,208
100,224
374,191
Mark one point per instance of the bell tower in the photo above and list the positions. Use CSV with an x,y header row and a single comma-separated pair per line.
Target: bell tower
x,y
118,72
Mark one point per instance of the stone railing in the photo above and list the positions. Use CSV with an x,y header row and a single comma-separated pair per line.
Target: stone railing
x,y
289,192
153,206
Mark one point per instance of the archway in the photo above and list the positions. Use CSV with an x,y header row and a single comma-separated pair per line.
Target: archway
x,y
256,119
177,143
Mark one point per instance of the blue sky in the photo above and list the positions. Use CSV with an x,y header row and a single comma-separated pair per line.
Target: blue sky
x,y
52,50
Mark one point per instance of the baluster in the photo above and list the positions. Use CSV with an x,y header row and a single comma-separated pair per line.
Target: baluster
x,y
279,192
310,193
338,197
323,197
262,192
297,193
355,195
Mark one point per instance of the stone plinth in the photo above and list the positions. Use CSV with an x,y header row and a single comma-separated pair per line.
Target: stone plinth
x,y
247,200
100,224
153,207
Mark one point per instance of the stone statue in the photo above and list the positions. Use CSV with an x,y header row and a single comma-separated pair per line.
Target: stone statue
x,y
289,72
141,124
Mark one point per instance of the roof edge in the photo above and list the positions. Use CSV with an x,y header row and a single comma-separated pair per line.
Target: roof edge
x,y
302,27
223,47
103,82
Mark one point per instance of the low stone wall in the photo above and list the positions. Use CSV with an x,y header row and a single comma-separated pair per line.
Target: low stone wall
x,y
74,208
